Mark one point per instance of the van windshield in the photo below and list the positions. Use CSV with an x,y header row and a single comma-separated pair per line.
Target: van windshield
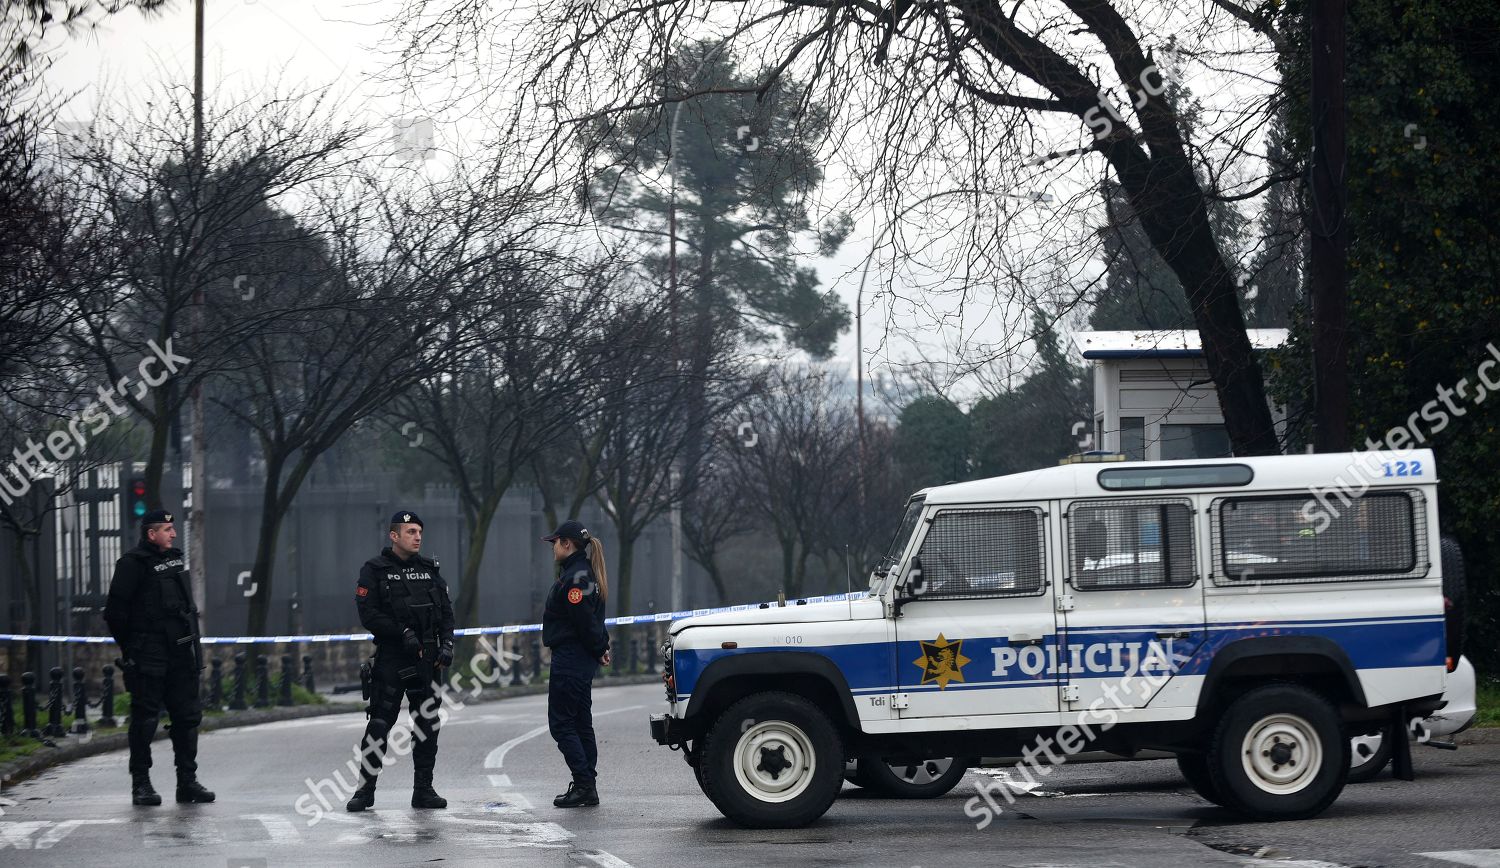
x,y
898,544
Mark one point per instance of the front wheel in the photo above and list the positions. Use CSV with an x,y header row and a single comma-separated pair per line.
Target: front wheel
x,y
1279,753
918,779
772,761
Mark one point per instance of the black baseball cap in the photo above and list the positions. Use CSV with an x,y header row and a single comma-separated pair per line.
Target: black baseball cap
x,y
156,516
406,516
573,530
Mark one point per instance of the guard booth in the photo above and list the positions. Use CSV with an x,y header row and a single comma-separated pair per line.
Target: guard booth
x,y
1153,398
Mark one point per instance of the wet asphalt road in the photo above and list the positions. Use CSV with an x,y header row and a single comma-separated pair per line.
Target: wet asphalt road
x,y
499,770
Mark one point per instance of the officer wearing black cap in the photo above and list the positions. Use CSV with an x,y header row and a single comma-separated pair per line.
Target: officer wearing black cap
x,y
573,627
404,603
150,613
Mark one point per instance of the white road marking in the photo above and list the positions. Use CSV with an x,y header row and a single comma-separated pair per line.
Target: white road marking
x,y
182,831
496,758
1476,858
278,828
603,859
17,833
66,827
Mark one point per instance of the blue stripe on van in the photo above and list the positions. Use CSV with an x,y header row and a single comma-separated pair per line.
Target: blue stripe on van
x,y
1371,643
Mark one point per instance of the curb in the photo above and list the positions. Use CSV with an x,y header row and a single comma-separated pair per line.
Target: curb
x,y
1479,735
19,770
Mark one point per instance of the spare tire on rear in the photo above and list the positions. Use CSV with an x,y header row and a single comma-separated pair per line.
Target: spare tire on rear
x,y
1453,596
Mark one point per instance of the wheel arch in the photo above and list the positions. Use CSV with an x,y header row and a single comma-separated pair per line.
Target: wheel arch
x,y
1313,660
805,673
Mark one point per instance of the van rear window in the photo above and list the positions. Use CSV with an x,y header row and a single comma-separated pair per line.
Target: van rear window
x,y
1294,538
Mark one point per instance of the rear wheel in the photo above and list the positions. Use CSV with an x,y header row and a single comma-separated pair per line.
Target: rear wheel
x,y
1370,754
772,761
919,779
1279,753
1194,768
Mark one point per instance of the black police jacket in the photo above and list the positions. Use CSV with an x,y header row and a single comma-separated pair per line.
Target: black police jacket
x,y
150,602
575,609
394,595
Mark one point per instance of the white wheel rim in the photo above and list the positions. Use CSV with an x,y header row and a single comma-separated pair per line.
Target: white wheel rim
x,y
921,773
774,761
1282,754
1362,748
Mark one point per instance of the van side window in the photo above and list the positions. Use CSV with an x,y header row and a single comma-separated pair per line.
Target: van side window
x,y
983,553
1296,538
1118,544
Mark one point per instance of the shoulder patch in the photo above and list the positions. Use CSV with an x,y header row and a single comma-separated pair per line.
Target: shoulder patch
x,y
575,595
361,591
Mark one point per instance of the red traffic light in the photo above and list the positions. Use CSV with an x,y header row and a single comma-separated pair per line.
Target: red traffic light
x,y
138,487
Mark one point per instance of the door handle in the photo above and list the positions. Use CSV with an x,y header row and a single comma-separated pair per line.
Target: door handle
x,y
1023,639
1173,634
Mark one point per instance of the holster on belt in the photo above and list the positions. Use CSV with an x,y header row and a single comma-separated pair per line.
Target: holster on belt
x,y
366,674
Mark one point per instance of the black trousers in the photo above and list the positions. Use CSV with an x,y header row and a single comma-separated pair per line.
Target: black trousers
x,y
386,690
570,711
164,680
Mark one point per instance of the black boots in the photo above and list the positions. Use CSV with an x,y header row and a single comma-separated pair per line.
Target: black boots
x,y
363,798
189,791
422,793
577,796
141,791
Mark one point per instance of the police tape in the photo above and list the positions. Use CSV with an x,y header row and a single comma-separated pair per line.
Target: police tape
x,y
655,617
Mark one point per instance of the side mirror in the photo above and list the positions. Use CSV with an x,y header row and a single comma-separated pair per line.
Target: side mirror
x,y
912,587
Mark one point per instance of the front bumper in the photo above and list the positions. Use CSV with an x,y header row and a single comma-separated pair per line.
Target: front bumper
x,y
666,730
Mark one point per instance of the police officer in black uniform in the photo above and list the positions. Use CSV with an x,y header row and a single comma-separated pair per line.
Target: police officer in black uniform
x,y
573,627
404,603
150,613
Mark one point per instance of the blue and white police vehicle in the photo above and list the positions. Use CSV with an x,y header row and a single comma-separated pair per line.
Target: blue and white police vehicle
x,y
1249,616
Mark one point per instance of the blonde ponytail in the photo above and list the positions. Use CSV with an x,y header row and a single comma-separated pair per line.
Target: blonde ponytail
x,y
596,561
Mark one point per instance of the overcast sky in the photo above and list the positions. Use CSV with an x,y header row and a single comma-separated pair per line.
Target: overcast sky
x,y
260,46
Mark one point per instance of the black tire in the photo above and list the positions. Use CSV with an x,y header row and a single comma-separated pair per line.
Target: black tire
x,y
1453,596
756,742
1259,744
926,779
1364,767
1194,768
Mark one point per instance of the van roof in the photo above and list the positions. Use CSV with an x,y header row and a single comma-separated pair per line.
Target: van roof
x,y
1328,471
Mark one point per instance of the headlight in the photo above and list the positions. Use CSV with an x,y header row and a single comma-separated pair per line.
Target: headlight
x,y
668,677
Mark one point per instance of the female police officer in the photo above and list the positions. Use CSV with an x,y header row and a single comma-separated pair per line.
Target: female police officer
x,y
573,627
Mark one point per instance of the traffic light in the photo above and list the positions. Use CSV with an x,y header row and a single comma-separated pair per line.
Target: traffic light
x,y
135,501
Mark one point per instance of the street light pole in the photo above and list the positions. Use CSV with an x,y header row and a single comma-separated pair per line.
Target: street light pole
x,y
198,460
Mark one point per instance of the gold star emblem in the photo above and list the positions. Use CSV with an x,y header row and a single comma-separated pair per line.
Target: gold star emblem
x,y
942,661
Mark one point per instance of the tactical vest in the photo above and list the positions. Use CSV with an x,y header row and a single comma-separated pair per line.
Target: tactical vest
x,y
415,599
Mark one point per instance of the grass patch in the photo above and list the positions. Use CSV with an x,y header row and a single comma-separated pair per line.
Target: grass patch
x,y
1487,694
18,746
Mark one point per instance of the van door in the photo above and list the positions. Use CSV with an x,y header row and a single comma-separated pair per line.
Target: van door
x,y
975,639
1132,608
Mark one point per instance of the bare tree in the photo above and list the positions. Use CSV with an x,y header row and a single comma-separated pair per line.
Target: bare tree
x,y
798,474
514,393
714,513
973,93
167,229
388,295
